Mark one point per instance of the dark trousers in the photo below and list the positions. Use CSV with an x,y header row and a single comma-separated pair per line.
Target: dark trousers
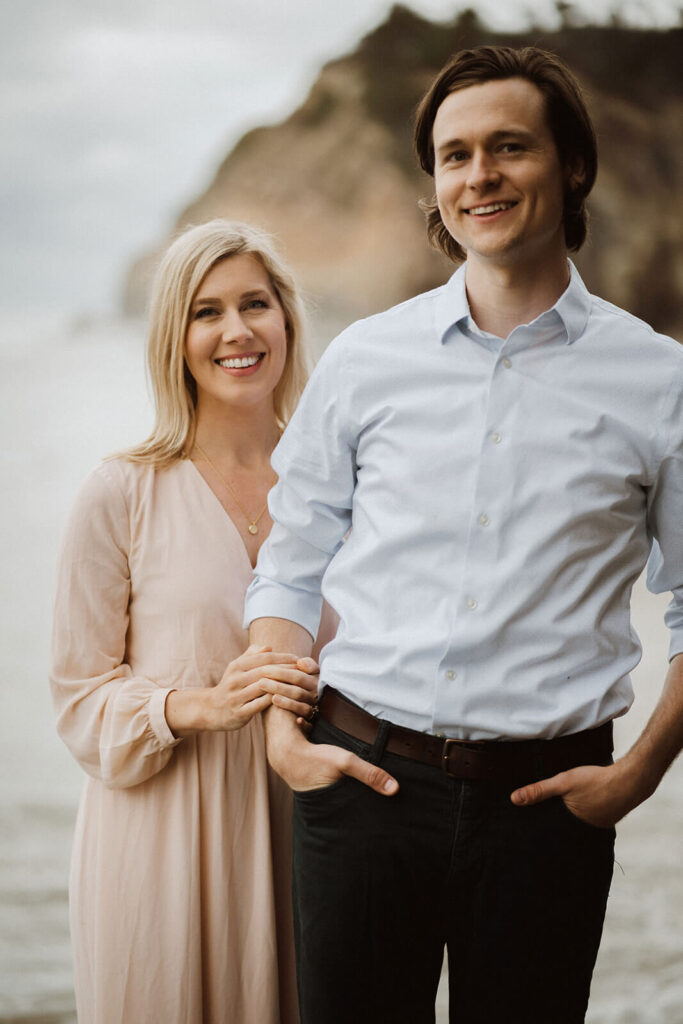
x,y
382,884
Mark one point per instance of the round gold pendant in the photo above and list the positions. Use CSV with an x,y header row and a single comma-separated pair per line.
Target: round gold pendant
x,y
253,528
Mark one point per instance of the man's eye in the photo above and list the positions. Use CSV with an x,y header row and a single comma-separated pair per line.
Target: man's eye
x,y
458,155
511,147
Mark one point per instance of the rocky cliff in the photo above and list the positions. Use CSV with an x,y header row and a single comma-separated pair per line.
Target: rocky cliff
x,y
338,185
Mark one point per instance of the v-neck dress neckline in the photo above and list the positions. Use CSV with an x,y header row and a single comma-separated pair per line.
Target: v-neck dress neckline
x,y
206,486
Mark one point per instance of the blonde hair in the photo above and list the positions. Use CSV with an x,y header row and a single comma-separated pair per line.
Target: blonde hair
x,y
183,268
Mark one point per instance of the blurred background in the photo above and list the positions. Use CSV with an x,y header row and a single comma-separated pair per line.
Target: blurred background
x,y
122,123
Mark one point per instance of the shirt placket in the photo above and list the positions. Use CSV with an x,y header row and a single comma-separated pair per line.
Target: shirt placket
x,y
486,521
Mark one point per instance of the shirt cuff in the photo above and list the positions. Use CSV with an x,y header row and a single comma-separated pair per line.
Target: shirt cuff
x,y
268,600
673,619
675,645
157,718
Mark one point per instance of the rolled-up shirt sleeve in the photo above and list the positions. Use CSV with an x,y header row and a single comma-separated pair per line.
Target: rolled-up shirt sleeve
x,y
665,519
112,719
311,503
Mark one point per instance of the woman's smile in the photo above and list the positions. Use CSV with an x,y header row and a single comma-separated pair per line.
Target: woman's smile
x,y
243,365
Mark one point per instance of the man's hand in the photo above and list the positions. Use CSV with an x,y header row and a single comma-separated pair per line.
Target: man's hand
x,y
307,766
600,796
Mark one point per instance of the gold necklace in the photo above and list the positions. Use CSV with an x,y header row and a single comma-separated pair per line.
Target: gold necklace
x,y
253,523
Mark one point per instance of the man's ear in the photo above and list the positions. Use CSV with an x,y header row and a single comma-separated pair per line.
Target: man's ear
x,y
575,174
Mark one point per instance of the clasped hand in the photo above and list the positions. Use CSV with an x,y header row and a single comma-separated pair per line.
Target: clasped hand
x,y
261,677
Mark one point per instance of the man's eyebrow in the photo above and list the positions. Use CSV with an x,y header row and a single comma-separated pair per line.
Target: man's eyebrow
x,y
449,144
495,136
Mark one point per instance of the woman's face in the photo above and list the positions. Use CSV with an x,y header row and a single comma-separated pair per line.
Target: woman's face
x,y
236,341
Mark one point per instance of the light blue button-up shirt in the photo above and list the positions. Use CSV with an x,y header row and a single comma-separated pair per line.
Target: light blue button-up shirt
x,y
477,510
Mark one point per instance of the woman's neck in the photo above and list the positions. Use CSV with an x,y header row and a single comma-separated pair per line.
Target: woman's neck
x,y
241,437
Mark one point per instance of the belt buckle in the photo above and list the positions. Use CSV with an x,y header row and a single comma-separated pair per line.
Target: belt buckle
x,y
444,755
467,758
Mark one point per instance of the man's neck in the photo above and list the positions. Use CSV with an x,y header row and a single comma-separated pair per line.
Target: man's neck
x,y
503,297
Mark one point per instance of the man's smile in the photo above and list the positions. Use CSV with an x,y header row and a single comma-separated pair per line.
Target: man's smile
x,y
490,208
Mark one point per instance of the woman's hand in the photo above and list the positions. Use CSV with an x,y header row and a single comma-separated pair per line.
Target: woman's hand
x,y
249,685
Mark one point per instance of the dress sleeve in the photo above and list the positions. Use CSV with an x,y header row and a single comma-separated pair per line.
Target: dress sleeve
x,y
112,721
665,519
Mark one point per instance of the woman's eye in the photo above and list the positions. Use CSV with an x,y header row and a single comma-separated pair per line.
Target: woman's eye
x,y
256,304
203,312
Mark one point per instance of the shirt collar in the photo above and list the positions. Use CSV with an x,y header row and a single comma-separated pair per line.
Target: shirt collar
x,y
573,306
452,306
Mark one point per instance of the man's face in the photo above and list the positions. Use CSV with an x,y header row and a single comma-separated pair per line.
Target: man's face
x,y
499,182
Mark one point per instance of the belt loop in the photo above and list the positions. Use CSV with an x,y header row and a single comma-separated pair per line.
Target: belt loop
x,y
380,742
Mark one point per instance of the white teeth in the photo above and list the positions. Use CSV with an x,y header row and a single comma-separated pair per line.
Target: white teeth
x,y
238,364
491,208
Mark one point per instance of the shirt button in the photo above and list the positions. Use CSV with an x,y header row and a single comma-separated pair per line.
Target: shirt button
x,y
506,363
496,438
471,603
450,674
484,519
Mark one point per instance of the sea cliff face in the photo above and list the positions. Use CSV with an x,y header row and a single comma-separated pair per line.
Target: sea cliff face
x,y
338,185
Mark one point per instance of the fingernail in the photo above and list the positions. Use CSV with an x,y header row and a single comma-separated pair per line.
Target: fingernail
x,y
307,664
390,786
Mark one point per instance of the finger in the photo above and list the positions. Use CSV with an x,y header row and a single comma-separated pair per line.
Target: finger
x,y
369,774
289,704
238,696
288,676
255,659
287,690
252,707
536,792
308,665
287,673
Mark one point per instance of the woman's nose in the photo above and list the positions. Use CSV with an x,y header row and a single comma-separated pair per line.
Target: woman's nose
x,y
235,327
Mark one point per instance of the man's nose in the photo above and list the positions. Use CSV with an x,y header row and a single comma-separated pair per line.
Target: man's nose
x,y
482,171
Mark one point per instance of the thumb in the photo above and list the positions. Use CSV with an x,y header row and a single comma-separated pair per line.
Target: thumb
x,y
371,775
539,791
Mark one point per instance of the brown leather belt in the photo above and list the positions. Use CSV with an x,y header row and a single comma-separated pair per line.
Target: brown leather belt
x,y
483,760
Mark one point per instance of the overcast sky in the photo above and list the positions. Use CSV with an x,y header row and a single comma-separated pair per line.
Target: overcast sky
x,y
115,113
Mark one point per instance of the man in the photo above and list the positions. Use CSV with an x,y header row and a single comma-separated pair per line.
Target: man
x,y
473,479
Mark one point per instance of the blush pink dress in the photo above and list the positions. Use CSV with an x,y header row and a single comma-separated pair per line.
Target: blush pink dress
x,y
179,890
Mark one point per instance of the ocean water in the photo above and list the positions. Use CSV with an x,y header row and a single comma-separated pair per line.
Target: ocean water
x,y
70,394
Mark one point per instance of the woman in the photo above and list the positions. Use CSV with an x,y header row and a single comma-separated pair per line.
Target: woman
x,y
180,874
